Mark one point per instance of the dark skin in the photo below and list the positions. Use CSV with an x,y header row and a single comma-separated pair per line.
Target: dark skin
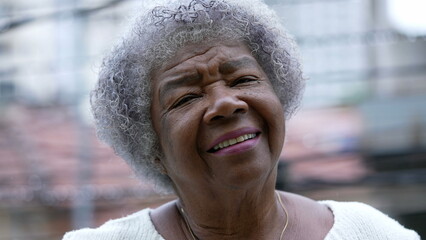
x,y
221,128
308,220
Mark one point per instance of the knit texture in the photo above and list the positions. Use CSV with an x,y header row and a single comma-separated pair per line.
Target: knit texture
x,y
358,221
137,226
352,221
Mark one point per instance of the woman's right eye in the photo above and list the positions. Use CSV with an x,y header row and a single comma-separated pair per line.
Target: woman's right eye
x,y
181,101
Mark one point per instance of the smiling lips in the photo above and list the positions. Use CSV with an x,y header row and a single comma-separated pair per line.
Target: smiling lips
x,y
236,141
233,141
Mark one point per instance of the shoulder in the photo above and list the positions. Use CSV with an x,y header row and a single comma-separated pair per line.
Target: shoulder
x,y
305,213
354,220
135,226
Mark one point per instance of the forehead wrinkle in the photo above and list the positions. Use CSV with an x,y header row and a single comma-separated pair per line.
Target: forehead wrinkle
x,y
184,68
190,55
207,63
215,63
210,68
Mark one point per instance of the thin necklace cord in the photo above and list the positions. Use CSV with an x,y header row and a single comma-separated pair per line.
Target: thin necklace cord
x,y
182,212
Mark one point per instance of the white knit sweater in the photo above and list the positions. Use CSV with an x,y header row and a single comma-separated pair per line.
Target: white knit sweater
x,y
352,221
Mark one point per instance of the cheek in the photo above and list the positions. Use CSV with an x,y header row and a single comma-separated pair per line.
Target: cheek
x,y
178,133
277,114
279,122
179,142
165,138
273,114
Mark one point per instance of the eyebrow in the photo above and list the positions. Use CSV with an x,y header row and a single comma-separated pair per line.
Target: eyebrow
x,y
184,80
234,65
224,68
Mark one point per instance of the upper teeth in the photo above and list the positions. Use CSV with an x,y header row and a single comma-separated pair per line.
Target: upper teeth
x,y
234,141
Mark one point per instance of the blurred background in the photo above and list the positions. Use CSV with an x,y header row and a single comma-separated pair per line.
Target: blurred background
x,y
360,134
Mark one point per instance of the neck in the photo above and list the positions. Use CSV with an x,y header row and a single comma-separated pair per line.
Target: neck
x,y
233,213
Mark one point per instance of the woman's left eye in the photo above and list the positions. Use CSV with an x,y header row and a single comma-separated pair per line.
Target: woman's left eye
x,y
243,80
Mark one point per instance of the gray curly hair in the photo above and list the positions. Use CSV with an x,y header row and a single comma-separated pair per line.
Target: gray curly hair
x,y
121,100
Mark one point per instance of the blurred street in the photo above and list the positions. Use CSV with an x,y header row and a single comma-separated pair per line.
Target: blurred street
x,y
360,134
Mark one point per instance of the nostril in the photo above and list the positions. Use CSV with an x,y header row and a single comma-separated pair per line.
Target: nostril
x,y
223,107
217,118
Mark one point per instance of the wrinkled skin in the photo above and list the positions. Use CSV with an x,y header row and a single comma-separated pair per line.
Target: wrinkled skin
x,y
207,95
225,90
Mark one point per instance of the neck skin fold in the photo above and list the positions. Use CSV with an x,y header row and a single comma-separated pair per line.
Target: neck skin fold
x,y
225,213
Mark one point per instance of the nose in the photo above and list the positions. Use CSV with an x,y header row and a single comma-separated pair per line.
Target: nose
x,y
224,104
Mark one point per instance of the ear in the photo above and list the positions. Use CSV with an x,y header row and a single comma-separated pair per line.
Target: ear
x,y
160,166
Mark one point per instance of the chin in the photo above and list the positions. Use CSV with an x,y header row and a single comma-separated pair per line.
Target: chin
x,y
249,177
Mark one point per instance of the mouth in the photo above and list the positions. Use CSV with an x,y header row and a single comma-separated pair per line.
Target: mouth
x,y
232,142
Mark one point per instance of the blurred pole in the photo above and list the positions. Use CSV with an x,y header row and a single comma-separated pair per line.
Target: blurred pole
x,y
83,207
71,91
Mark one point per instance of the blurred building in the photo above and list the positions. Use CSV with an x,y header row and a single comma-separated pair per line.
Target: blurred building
x,y
360,134
51,49
56,176
368,71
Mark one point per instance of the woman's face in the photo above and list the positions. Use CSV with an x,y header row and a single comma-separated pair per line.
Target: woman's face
x,y
218,119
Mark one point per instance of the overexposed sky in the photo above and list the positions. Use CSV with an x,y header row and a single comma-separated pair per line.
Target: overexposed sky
x,y
408,16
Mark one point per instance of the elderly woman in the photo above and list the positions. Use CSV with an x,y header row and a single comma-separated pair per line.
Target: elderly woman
x,y
195,99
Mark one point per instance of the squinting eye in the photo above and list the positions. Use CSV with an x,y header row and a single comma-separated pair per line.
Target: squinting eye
x,y
181,101
243,80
